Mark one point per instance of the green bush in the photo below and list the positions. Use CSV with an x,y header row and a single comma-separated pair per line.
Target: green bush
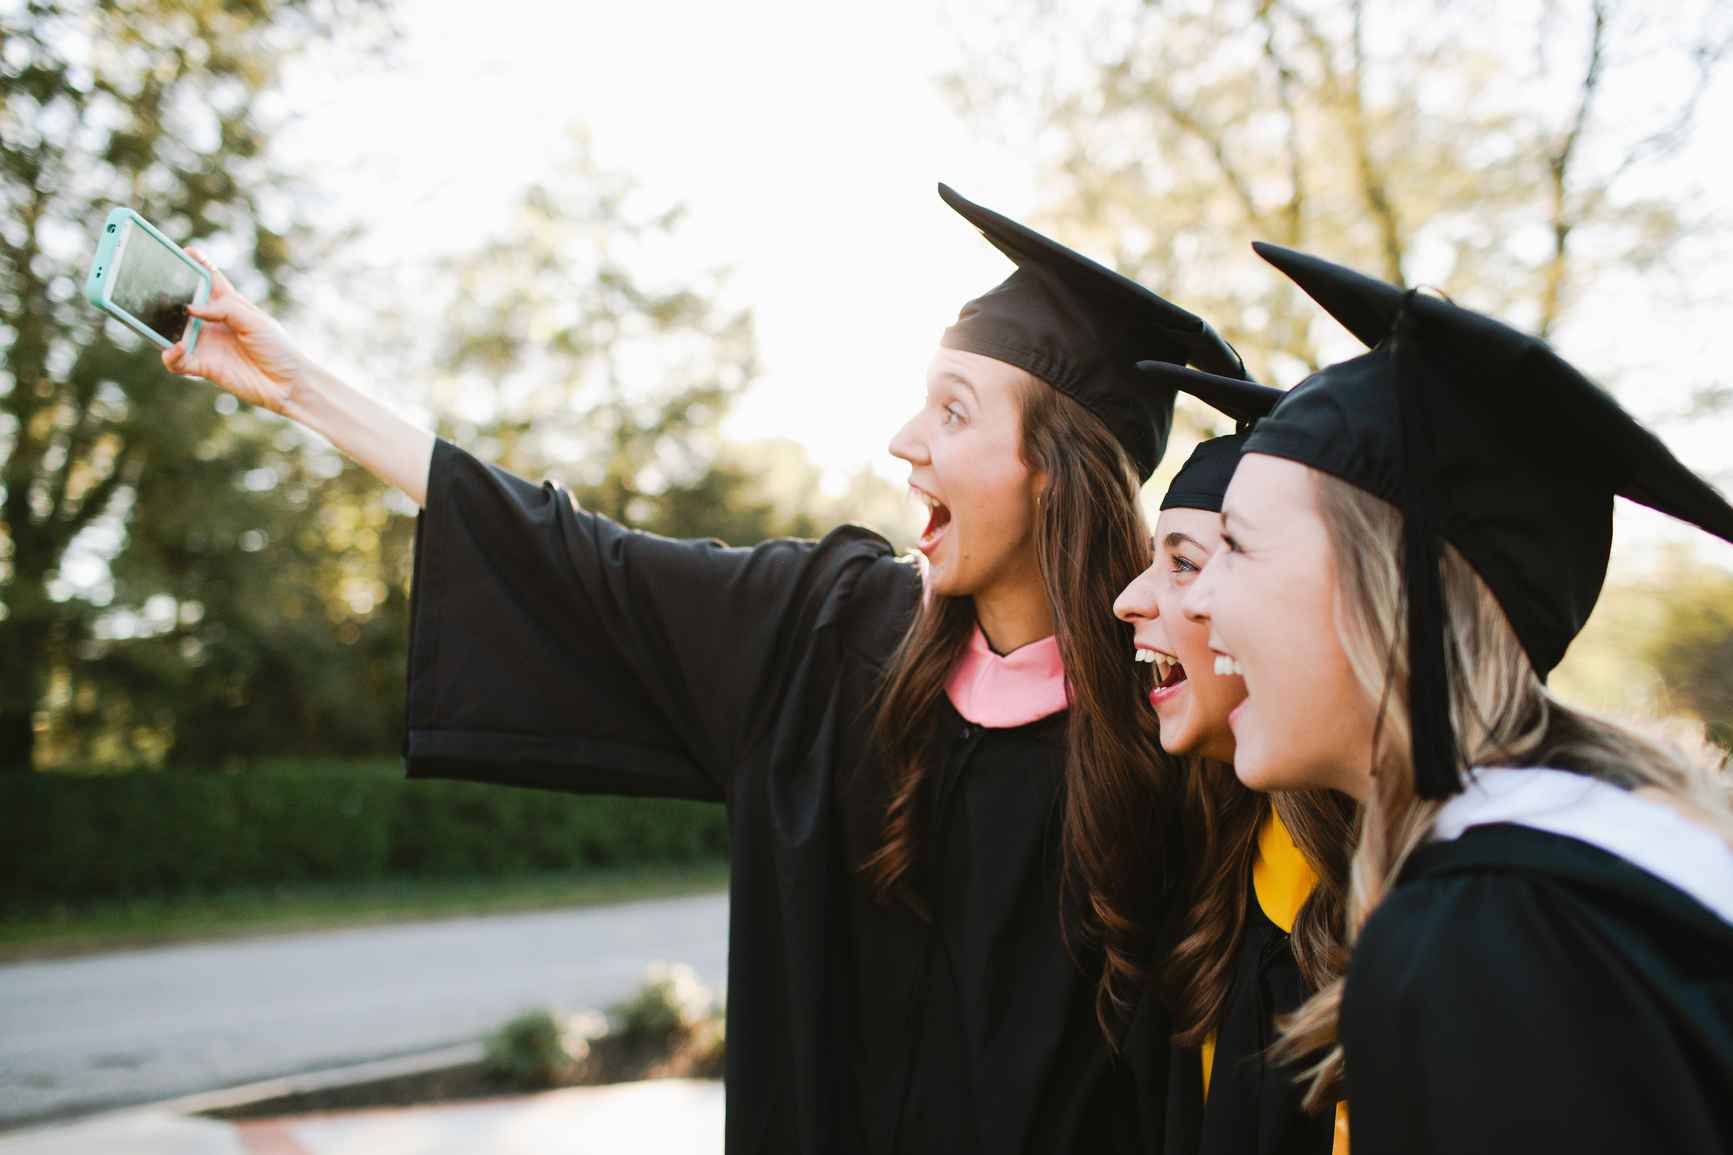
x,y
72,840
529,1052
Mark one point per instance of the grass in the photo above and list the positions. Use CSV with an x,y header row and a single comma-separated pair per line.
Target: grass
x,y
163,921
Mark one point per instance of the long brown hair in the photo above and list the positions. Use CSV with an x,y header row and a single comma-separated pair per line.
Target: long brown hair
x,y
1501,712
1120,790
1222,819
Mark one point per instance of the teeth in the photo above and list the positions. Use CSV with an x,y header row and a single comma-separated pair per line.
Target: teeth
x,y
1238,669
1228,665
1163,662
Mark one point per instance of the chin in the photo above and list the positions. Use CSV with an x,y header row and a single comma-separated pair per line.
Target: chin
x,y
1267,774
1176,737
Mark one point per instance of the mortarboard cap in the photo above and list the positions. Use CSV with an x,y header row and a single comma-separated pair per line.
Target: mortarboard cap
x,y
1485,438
1204,478
1082,328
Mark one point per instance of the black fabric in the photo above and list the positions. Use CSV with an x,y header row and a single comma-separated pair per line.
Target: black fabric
x,y
1484,438
1527,453
1244,401
553,648
1254,1102
1521,991
1203,479
1082,328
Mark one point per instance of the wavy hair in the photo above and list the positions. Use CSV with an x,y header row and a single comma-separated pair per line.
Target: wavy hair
x,y
1120,790
1222,820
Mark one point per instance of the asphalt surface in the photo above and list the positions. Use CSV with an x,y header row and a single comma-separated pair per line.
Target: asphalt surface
x,y
108,1030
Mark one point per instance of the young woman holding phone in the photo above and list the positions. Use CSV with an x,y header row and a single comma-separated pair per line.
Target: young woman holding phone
x,y
899,766
1262,923
1541,900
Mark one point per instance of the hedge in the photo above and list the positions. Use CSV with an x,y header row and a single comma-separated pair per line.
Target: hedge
x,y
73,840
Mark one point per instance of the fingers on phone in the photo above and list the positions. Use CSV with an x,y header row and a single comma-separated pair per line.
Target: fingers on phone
x,y
218,281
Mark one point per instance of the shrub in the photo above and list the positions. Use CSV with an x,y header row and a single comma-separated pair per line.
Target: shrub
x,y
67,841
529,1052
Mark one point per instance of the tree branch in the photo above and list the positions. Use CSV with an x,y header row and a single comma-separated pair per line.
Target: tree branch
x,y
1558,172
1293,213
1372,181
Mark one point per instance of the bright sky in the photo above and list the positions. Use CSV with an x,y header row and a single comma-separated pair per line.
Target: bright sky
x,y
805,140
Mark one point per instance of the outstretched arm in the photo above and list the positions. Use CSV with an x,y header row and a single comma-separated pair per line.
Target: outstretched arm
x,y
245,351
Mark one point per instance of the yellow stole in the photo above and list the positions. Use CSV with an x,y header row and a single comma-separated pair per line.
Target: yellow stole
x,y
1282,880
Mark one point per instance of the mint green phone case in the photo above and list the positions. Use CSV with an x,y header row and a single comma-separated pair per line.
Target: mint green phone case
x,y
103,268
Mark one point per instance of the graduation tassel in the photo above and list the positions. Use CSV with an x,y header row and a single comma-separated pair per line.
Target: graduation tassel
x,y
1436,773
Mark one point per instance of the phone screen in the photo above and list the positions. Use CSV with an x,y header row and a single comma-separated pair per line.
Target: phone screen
x,y
153,283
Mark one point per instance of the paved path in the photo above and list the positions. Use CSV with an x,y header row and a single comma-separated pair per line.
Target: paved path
x,y
667,1117
147,1025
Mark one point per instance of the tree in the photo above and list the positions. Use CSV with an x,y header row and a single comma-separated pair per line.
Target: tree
x,y
1660,642
1693,649
1486,149
152,104
558,359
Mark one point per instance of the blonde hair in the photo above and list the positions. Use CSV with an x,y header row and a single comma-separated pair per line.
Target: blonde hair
x,y
1501,712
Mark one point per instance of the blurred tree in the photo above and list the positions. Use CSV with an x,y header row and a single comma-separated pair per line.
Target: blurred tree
x,y
1693,650
103,456
1484,148
559,359
1659,642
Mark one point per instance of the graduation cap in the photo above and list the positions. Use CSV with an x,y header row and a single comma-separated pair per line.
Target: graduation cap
x,y
1204,478
1082,328
1485,438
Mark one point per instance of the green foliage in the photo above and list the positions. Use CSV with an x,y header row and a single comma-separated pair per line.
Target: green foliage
x,y
1660,642
529,1052
72,840
1693,650
671,1001
565,363
152,105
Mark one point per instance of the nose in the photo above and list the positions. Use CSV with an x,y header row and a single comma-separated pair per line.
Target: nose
x,y
908,445
1196,606
1136,602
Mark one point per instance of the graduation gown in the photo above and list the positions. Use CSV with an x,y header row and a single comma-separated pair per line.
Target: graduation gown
x,y
1253,1104
1522,991
553,648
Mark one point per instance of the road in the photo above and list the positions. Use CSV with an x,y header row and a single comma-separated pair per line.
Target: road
x,y
107,1030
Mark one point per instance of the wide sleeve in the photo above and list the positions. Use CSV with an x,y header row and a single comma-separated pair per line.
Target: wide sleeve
x,y
552,647
1498,1013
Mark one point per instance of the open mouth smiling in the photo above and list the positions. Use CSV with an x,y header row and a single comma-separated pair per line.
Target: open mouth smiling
x,y
938,520
1169,672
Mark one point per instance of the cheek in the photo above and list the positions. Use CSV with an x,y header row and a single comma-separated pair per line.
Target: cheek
x,y
991,502
1190,639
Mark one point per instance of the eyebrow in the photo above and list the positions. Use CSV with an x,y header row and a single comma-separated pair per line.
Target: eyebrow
x,y
1177,538
948,375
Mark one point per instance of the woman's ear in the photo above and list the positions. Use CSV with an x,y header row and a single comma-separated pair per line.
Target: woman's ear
x,y
1037,486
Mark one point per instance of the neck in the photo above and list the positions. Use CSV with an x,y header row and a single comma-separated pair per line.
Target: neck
x,y
1015,615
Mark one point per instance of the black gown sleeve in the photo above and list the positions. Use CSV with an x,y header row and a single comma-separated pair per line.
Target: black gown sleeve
x,y
1499,1013
552,647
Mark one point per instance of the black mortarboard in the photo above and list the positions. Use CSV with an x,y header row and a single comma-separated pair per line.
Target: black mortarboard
x,y
1486,438
1082,328
1204,478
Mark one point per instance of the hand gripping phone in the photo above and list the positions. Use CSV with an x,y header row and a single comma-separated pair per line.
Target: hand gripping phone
x,y
146,281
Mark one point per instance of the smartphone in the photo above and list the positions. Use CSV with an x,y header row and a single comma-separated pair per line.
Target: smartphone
x,y
145,280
